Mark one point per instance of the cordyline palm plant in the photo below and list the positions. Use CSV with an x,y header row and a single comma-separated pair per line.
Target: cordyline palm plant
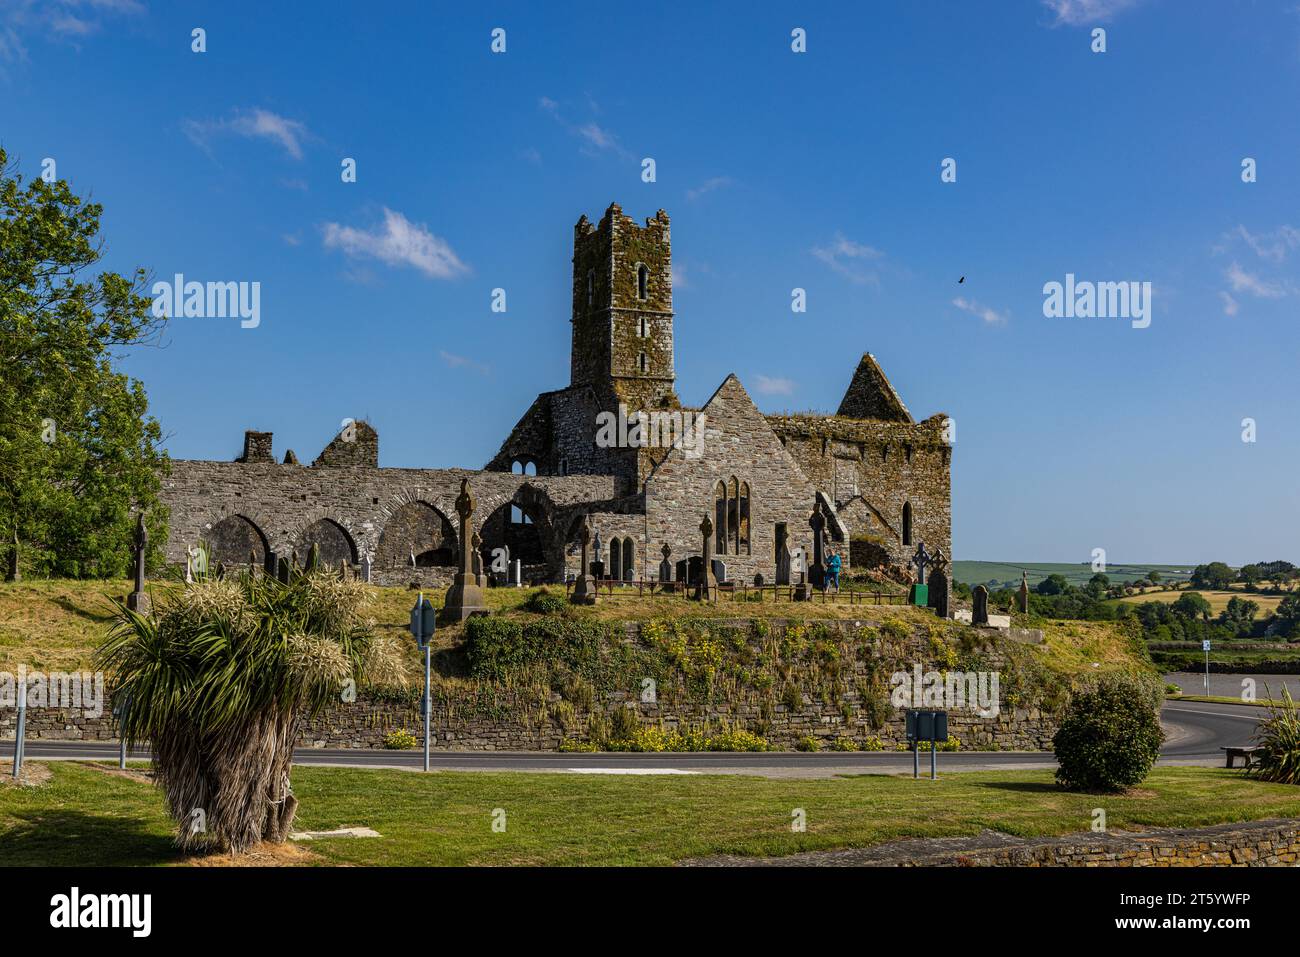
x,y
219,677
1278,757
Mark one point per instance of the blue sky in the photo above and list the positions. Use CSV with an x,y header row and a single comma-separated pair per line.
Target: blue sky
x,y
818,170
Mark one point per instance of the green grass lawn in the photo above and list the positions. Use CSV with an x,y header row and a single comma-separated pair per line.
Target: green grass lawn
x,y
87,817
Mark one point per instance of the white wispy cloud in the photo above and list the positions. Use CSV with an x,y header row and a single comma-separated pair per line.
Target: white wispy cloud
x,y
1230,306
397,242
1273,246
849,258
989,315
67,21
769,385
251,124
595,138
1252,283
1074,13
461,362
708,186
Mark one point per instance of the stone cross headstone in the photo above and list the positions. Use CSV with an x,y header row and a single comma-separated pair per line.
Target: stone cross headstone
x,y
1023,597
665,566
465,596
919,561
584,590
138,601
708,585
479,577
940,591
980,609
818,569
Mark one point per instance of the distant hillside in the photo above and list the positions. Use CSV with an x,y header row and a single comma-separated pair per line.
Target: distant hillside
x,y
1008,573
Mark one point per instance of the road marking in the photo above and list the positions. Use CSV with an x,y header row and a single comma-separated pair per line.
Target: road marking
x,y
629,771
1218,714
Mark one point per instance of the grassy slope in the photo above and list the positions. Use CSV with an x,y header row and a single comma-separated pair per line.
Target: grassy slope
x,y
56,625
87,817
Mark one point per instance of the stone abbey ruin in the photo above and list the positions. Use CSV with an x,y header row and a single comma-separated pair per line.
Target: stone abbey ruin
x,y
876,480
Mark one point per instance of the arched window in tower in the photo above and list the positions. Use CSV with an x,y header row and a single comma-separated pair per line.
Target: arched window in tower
x,y
591,288
743,543
642,281
644,328
643,363
720,518
907,523
733,515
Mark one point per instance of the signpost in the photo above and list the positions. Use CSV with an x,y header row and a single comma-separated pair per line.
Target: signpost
x,y
22,727
1205,646
929,726
422,627
119,712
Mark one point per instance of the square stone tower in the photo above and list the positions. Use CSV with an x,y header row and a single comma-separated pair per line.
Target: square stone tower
x,y
623,311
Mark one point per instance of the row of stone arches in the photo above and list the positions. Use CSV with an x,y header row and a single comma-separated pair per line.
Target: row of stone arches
x,y
415,533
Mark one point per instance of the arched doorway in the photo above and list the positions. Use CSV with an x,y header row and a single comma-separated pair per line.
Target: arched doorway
x,y
233,539
336,545
419,529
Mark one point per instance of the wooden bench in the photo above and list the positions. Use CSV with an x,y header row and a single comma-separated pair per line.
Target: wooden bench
x,y
1233,753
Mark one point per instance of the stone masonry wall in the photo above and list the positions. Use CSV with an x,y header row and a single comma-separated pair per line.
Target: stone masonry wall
x,y
487,718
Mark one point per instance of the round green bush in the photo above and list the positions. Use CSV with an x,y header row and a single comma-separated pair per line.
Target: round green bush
x,y
544,603
1109,736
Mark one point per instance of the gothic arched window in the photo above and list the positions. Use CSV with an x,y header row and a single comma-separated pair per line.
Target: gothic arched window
x,y
907,523
642,281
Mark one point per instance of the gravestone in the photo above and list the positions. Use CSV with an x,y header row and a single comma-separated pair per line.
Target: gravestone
x,y
719,569
465,596
138,601
708,585
803,590
366,568
479,578
666,567
693,566
517,573
1022,599
980,610
818,569
783,565
683,572
940,586
919,593
584,588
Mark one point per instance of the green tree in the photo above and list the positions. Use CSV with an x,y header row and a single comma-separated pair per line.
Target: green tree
x,y
1110,734
1215,575
1098,584
1053,585
1192,605
1154,577
78,450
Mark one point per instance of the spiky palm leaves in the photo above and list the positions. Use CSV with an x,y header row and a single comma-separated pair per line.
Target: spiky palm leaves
x,y
1278,757
219,677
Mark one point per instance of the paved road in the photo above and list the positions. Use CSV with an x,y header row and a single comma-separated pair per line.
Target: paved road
x,y
1229,686
1194,731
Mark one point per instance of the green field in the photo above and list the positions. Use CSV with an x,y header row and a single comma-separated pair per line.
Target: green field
x,y
95,816
1008,573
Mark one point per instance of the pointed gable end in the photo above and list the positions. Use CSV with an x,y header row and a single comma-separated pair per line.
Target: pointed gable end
x,y
870,396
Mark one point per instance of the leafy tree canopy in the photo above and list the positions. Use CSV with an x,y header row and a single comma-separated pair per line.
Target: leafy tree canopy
x,y
78,450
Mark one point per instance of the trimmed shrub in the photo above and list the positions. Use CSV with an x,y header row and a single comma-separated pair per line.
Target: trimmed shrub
x,y
544,603
497,645
1110,735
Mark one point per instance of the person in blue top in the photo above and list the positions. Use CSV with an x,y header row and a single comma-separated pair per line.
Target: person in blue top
x,y
833,565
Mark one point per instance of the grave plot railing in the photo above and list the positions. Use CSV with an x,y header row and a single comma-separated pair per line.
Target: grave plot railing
x,y
737,592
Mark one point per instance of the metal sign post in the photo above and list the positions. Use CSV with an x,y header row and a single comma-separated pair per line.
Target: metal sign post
x,y
929,726
21,729
1205,646
120,713
422,627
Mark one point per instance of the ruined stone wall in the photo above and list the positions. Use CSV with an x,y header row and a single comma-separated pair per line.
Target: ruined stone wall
x,y
284,501
872,468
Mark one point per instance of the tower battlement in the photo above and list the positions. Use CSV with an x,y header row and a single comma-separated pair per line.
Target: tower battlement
x,y
623,308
